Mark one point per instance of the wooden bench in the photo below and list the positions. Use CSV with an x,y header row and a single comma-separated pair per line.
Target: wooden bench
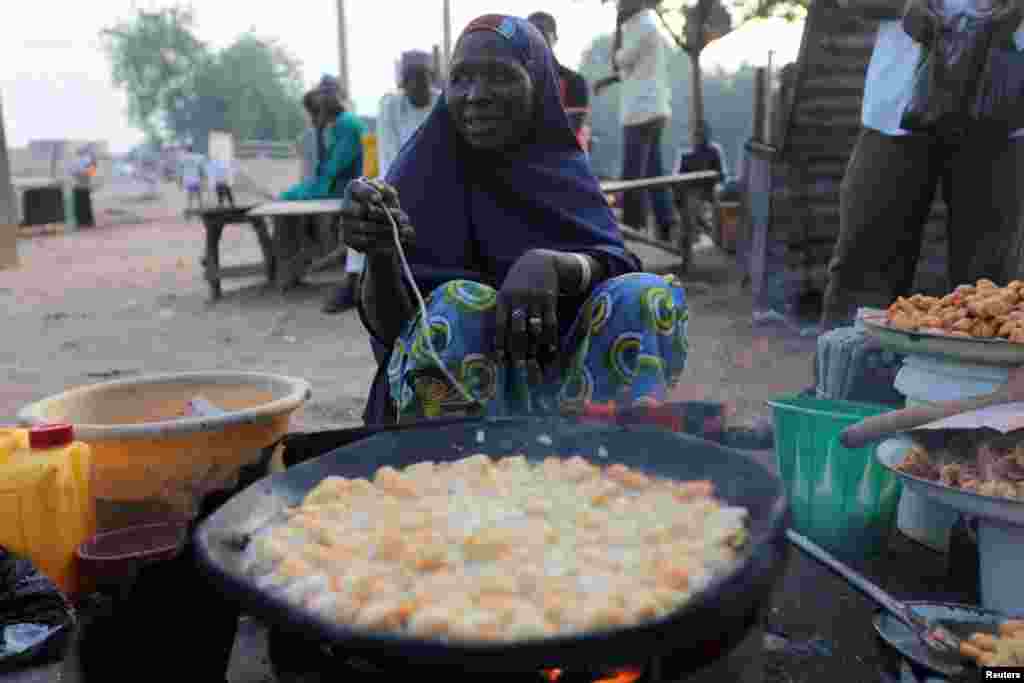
x,y
681,183
285,263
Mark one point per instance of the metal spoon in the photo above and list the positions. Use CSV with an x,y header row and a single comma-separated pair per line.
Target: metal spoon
x,y
935,637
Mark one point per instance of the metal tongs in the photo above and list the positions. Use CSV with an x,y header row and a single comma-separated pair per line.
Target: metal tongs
x,y
935,637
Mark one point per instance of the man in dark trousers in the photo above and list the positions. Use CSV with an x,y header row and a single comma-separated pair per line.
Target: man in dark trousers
x,y
575,93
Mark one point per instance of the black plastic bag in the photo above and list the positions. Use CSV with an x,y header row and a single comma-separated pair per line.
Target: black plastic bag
x,y
36,620
946,81
999,104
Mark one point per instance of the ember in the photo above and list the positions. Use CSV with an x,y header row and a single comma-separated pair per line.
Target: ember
x,y
622,676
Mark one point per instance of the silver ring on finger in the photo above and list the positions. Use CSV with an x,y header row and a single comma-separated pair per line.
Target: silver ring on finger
x,y
519,314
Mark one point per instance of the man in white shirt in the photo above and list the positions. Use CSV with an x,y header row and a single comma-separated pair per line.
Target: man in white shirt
x,y
891,179
401,114
641,65
404,111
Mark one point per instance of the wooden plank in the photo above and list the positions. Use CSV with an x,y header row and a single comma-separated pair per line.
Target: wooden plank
x,y
846,64
843,43
311,207
631,235
8,246
828,85
660,181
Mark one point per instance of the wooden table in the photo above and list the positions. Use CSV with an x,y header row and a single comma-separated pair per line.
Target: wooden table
x,y
681,183
293,257
215,220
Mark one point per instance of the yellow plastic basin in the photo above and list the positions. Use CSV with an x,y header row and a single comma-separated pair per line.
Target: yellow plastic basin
x,y
142,446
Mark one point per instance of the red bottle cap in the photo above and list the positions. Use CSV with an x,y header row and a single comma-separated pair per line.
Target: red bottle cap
x,y
51,436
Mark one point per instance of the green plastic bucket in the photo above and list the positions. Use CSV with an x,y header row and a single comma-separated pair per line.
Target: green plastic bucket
x,y
842,499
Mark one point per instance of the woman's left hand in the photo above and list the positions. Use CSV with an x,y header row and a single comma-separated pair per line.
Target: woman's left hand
x,y
526,329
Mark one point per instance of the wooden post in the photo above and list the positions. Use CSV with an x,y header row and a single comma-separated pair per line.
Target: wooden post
x,y
761,96
447,38
8,214
343,74
769,106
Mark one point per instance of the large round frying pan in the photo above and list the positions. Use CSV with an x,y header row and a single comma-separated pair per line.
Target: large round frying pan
x,y
697,634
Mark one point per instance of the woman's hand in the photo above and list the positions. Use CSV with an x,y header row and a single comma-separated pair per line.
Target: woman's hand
x,y
364,217
526,330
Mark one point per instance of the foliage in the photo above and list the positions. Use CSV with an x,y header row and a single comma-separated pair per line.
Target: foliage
x,y
154,57
252,89
694,24
178,89
729,102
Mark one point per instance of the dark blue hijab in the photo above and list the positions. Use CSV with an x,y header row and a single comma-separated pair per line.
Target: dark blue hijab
x,y
476,213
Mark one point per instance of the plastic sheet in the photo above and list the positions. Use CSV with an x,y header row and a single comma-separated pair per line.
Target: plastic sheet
x,y
957,48
36,621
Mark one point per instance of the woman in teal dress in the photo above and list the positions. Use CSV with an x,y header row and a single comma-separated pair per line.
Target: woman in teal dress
x,y
533,302
340,147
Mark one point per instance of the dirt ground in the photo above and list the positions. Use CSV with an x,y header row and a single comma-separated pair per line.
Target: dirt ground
x,y
127,297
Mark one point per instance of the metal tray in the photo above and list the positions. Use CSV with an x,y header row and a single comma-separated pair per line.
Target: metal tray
x,y
703,630
966,349
890,453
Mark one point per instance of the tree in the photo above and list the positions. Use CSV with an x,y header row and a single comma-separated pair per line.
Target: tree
x,y
179,89
695,24
252,89
154,56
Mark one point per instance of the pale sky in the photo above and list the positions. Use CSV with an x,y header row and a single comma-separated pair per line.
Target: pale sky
x,y
55,80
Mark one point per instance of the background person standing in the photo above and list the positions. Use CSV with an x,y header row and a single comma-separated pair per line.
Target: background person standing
x,y
893,173
640,63
401,113
574,91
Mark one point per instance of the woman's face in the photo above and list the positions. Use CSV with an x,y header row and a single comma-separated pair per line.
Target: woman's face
x,y
490,96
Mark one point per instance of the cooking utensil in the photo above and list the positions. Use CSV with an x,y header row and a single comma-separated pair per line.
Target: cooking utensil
x,y
969,349
938,639
962,620
1000,529
888,424
715,620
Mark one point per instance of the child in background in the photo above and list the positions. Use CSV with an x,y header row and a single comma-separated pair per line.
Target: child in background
x,y
220,175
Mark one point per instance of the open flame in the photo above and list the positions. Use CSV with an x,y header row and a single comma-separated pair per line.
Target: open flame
x,y
620,676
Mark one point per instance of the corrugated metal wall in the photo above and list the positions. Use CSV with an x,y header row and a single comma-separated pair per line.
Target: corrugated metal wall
x,y
815,136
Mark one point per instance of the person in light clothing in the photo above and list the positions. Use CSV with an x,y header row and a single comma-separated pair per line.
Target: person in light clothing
x,y
220,176
192,177
641,66
892,176
404,111
401,113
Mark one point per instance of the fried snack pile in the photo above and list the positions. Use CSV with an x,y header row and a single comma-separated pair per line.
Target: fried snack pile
x,y
994,471
982,310
498,549
1006,649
